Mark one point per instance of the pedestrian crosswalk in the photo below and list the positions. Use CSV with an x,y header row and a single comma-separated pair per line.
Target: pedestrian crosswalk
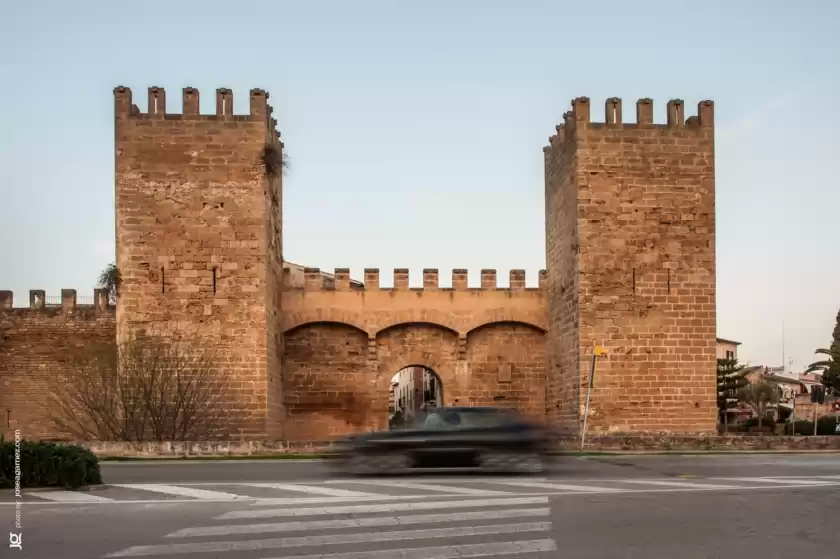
x,y
401,488
440,529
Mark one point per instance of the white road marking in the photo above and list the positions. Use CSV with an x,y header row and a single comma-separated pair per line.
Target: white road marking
x,y
68,497
563,487
200,494
445,552
434,487
367,522
686,484
383,507
332,539
473,478
786,481
313,489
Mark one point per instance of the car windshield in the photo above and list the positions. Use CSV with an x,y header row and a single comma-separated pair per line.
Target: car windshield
x,y
464,418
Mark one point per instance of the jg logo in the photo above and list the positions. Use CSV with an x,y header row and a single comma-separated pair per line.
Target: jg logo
x,y
16,540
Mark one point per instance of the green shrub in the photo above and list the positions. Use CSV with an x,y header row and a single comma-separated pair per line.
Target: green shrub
x,y
825,426
48,464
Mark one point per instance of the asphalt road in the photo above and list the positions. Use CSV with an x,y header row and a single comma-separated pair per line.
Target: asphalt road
x,y
560,467
650,507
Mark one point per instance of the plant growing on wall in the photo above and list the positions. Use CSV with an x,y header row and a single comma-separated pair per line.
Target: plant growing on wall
x,y
141,390
110,279
274,160
830,366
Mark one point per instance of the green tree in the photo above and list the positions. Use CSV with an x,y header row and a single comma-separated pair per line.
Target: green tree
x,y
110,279
830,366
758,395
731,377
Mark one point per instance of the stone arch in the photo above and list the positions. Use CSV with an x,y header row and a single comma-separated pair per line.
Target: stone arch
x,y
327,380
418,316
536,320
324,315
420,344
507,365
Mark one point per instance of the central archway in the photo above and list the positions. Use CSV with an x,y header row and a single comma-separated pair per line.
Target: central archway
x,y
414,390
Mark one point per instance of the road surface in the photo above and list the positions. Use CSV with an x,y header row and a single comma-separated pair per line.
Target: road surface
x,y
651,507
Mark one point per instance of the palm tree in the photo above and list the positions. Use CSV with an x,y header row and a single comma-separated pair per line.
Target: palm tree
x,y
830,366
109,279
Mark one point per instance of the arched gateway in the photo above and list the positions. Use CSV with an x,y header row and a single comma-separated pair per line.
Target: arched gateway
x,y
344,341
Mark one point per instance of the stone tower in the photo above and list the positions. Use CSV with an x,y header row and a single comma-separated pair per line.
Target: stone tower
x,y
630,243
199,240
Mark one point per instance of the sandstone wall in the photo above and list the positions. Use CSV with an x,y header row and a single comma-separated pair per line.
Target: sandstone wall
x,y
36,345
199,240
343,345
644,246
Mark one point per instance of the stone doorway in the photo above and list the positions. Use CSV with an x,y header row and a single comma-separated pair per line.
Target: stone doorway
x,y
414,390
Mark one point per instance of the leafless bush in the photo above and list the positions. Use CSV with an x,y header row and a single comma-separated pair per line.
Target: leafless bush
x,y
140,390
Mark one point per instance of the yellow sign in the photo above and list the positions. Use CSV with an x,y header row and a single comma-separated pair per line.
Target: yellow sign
x,y
600,350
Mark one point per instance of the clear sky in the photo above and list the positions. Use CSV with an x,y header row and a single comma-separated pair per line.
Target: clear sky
x,y
415,130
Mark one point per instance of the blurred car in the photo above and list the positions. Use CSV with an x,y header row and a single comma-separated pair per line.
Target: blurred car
x,y
488,438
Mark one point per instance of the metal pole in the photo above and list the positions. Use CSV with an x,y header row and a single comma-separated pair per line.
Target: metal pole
x,y
793,417
815,419
588,395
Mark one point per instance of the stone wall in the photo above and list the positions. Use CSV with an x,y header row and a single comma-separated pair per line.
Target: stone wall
x,y
344,343
642,248
36,345
199,240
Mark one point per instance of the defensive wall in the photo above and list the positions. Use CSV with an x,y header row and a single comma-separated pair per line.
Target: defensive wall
x,y
630,265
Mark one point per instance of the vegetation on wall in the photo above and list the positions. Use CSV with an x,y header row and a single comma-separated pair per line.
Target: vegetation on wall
x,y
140,390
110,280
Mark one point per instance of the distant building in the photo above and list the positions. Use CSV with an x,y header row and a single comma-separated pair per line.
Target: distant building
x,y
727,349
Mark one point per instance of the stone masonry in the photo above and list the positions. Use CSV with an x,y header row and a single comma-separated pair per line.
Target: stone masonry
x,y
630,226
630,266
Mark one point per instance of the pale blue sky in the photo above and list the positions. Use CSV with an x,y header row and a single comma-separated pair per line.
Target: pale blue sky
x,y
415,130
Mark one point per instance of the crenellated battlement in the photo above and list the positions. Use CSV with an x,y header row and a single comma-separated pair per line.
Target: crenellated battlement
x,y
38,301
316,280
260,110
579,116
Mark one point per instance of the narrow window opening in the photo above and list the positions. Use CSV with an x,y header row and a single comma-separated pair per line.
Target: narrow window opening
x,y
224,106
162,280
155,104
8,418
214,280
634,280
669,280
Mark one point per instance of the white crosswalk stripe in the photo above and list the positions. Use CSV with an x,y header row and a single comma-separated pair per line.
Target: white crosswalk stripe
x,y
372,521
382,507
332,539
434,487
68,497
447,552
201,494
686,484
312,489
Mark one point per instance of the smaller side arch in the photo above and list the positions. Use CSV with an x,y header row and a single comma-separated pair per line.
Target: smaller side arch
x,y
512,315
324,315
